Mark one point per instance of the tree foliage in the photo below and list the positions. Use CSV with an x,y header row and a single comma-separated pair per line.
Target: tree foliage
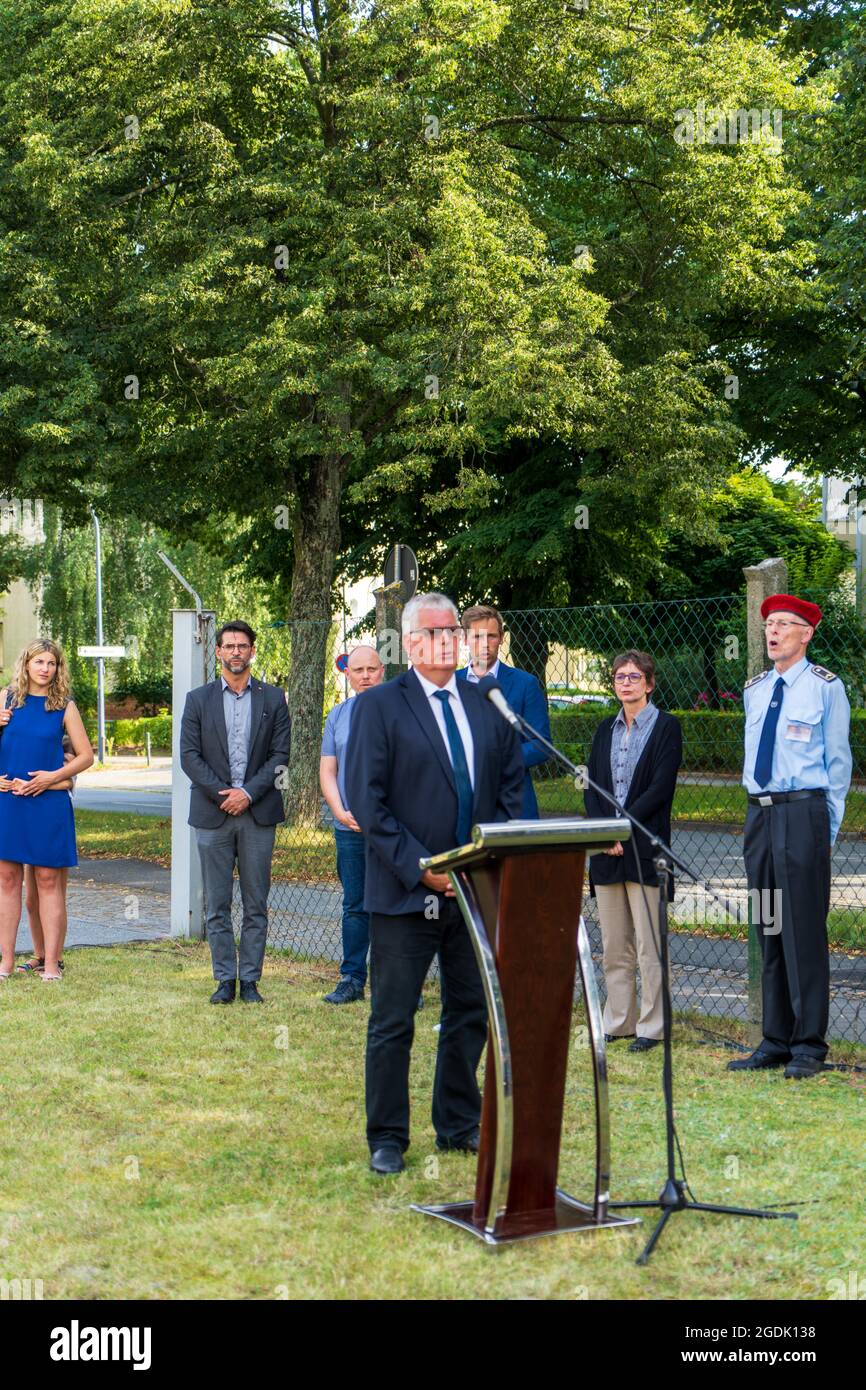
x,y
362,262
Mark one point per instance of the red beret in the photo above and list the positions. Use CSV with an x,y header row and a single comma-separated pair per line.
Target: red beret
x,y
786,603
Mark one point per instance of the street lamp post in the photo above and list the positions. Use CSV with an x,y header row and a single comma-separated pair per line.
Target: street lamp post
x,y
100,661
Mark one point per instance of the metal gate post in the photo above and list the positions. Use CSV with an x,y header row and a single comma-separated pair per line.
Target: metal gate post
x,y
192,649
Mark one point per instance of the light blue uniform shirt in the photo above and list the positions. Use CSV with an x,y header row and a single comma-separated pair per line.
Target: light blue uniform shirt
x,y
811,749
335,736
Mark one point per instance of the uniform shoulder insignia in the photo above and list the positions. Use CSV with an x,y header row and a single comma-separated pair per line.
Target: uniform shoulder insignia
x,y
755,679
824,673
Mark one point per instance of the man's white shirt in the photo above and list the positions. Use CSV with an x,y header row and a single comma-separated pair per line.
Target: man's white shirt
x,y
430,690
471,676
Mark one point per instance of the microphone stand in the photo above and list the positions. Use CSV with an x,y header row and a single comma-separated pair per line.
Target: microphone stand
x,y
676,1194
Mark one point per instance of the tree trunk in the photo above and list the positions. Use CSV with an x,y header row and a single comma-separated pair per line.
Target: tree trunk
x,y
316,543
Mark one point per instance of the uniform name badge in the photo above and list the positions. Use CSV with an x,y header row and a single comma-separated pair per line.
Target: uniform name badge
x,y
801,733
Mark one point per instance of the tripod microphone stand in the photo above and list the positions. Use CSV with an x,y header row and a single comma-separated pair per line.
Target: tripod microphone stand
x,y
675,1195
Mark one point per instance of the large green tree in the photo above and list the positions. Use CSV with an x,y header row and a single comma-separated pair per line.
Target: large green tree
x,y
677,239
257,258
802,363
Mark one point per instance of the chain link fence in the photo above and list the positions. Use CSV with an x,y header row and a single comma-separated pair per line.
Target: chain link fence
x,y
699,647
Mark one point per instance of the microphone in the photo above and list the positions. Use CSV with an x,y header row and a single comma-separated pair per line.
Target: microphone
x,y
492,690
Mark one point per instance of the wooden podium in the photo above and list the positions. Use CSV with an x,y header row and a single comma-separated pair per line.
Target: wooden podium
x,y
519,886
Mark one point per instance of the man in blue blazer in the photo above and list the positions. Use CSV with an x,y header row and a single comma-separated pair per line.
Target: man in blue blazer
x,y
483,628
426,759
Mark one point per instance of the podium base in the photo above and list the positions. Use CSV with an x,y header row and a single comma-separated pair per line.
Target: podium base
x,y
568,1215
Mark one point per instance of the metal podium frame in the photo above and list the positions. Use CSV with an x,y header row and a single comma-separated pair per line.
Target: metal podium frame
x,y
518,837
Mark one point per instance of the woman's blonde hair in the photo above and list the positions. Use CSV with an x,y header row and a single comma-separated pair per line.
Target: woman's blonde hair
x,y
59,692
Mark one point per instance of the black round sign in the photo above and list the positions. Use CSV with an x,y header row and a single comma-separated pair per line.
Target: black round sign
x,y
401,567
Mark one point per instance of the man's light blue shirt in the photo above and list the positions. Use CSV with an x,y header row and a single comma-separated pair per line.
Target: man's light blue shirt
x,y
335,736
473,679
237,708
811,749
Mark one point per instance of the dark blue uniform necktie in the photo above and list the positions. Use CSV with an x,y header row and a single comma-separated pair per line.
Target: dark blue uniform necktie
x,y
461,770
764,760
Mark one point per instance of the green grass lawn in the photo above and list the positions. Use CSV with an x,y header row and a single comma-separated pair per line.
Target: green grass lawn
x,y
156,1147
725,805
299,854
845,928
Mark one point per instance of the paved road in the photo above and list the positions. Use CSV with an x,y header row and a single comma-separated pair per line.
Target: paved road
x,y
139,803
127,784
117,901
111,901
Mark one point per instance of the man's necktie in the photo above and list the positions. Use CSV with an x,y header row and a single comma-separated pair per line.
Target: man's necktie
x,y
461,770
764,760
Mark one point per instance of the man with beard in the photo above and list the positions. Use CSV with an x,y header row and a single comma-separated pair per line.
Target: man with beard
x,y
234,741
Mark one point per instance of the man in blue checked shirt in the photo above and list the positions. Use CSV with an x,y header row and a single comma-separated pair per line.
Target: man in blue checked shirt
x,y
797,772
364,670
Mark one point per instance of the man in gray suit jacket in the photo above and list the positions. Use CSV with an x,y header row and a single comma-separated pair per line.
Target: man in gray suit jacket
x,y
234,741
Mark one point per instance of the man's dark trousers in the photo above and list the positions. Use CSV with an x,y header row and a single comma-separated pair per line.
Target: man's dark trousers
x,y
401,949
239,839
787,848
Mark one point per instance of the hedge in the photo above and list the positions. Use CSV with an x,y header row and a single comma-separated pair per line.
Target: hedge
x,y
126,733
712,739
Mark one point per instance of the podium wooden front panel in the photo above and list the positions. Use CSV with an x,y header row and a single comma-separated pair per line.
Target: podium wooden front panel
x,y
519,887
536,968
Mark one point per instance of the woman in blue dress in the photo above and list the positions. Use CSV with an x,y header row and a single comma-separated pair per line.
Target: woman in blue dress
x,y
36,822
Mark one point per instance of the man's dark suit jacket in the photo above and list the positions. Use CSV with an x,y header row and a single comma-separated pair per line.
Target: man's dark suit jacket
x,y
650,798
526,697
400,784
204,752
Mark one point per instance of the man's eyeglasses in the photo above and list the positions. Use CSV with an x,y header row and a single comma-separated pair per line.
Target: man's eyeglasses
x,y
431,632
235,647
782,625
631,677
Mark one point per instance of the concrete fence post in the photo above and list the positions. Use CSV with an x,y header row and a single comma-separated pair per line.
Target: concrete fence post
x,y
769,577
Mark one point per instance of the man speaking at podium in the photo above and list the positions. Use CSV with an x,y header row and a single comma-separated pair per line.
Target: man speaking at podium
x,y
427,759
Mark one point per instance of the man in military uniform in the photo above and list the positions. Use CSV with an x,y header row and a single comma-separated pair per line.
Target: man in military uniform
x,y
797,772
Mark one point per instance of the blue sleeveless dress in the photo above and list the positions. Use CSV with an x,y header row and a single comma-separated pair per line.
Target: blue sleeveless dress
x,y
35,829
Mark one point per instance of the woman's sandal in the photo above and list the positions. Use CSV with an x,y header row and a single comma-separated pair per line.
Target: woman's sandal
x,y
37,965
31,967
49,979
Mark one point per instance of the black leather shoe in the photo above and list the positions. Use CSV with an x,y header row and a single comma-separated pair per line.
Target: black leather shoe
x,y
249,993
388,1159
462,1146
758,1061
801,1066
617,1037
346,992
644,1044
224,993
